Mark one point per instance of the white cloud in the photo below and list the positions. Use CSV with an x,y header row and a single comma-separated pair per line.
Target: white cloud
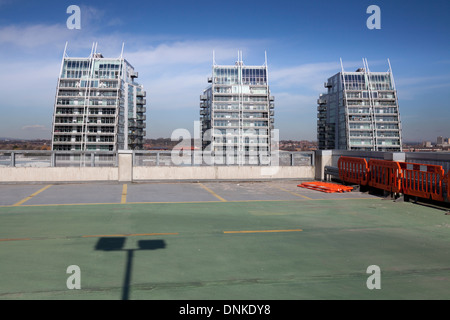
x,y
31,84
35,127
34,35
180,91
309,76
421,80
287,102
174,74
187,52
409,88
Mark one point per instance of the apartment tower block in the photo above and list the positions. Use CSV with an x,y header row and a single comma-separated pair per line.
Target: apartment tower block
x,y
359,112
237,112
98,105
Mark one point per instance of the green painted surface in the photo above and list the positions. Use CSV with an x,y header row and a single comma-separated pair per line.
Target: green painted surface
x,y
327,260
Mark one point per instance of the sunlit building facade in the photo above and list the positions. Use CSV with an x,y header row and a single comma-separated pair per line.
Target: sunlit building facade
x,y
359,112
98,105
237,111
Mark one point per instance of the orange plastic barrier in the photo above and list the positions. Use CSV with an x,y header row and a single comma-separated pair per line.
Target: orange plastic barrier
x,y
325,187
354,170
448,186
423,180
385,175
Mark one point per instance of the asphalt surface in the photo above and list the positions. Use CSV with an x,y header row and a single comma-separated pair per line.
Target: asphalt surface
x,y
221,240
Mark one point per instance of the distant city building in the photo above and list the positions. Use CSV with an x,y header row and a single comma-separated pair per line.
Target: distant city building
x,y
98,105
442,142
237,111
359,112
427,144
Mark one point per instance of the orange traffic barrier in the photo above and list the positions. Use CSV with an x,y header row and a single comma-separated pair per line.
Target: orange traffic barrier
x,y
448,186
325,187
423,180
385,175
353,170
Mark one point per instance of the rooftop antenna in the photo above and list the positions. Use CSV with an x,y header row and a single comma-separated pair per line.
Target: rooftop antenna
x,y
392,76
342,66
265,58
63,57
367,65
389,63
121,53
239,60
65,50
92,50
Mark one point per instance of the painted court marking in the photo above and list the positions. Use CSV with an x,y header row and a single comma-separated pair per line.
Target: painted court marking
x,y
262,231
180,202
90,236
124,193
212,192
294,194
16,239
144,234
130,235
34,194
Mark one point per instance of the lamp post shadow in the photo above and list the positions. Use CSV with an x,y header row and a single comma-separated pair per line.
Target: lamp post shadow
x,y
117,244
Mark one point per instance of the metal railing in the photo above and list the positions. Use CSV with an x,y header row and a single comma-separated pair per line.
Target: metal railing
x,y
199,158
434,158
47,158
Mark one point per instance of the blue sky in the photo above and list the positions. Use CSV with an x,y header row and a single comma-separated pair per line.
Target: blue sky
x,y
170,44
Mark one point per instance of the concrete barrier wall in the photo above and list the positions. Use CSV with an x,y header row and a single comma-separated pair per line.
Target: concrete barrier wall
x,y
222,173
126,172
86,174
58,174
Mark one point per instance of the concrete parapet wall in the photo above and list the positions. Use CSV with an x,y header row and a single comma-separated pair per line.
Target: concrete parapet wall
x,y
222,173
58,174
124,173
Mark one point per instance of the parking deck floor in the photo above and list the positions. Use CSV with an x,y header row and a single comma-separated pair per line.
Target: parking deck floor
x,y
217,240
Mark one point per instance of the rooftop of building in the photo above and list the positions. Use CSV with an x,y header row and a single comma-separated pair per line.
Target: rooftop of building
x,y
217,240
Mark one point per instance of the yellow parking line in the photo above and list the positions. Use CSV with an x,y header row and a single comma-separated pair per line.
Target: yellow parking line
x,y
92,236
212,192
263,231
34,194
17,239
124,194
181,202
294,194
131,235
